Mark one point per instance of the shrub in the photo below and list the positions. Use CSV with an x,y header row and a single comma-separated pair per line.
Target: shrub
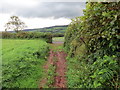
x,y
99,32
58,34
27,35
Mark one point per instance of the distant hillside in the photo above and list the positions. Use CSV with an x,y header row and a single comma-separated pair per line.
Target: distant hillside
x,y
53,29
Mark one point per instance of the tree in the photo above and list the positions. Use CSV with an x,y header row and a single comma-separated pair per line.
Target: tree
x,y
15,24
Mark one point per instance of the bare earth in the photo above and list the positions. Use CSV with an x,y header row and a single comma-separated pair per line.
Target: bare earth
x,y
60,68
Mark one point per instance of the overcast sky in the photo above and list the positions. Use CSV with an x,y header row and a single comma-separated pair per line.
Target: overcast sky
x,y
37,14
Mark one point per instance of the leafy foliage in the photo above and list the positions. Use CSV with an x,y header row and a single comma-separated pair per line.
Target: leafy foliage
x,y
15,24
57,34
97,32
103,27
27,35
103,73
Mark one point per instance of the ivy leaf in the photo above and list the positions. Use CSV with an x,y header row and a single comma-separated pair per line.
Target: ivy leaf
x,y
106,14
96,84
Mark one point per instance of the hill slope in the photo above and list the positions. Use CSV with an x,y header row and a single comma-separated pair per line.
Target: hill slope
x,y
53,29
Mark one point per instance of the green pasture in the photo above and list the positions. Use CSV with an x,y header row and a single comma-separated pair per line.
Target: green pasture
x,y
22,62
58,39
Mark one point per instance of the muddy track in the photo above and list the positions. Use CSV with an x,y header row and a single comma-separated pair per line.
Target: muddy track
x,y
60,79
60,69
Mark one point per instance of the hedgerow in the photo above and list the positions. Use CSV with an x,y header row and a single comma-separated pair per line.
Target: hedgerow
x,y
93,40
27,35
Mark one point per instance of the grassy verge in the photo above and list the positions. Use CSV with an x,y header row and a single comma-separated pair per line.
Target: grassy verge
x,y
75,68
50,76
22,62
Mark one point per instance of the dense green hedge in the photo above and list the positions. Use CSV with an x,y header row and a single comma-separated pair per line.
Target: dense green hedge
x,y
27,35
94,40
58,34
99,28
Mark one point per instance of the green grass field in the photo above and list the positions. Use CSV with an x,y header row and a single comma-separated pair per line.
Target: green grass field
x,y
22,62
58,39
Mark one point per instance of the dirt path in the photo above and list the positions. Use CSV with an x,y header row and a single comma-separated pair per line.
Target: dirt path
x,y
60,79
57,59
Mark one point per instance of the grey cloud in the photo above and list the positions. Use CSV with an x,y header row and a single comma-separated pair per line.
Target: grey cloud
x,y
48,9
